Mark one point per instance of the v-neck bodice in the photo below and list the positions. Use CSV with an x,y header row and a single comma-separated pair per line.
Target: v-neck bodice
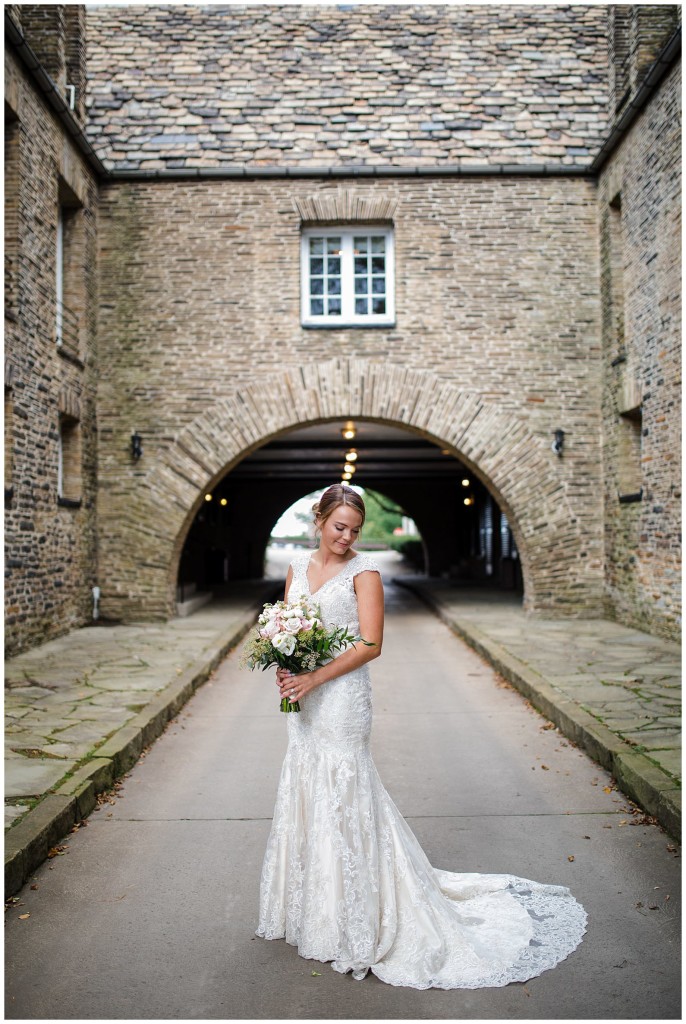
x,y
313,593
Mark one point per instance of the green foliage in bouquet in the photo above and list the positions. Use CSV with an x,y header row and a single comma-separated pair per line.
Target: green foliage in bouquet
x,y
293,636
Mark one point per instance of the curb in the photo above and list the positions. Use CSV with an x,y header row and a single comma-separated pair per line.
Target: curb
x,y
27,843
636,775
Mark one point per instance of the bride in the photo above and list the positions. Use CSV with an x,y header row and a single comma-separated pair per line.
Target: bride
x,y
344,878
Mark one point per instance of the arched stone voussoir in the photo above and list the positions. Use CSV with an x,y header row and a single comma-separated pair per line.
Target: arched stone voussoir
x,y
498,447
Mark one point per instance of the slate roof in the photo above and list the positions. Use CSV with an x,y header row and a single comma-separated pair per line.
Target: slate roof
x,y
312,86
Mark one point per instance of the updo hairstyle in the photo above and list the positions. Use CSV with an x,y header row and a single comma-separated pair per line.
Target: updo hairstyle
x,y
332,498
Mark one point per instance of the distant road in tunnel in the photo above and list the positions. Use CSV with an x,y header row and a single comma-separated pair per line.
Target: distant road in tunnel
x,y
150,913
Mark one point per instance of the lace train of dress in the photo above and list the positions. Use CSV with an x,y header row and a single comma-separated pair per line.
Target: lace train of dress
x,y
344,878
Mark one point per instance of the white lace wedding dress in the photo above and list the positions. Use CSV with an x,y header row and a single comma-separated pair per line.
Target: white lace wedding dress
x,y
344,878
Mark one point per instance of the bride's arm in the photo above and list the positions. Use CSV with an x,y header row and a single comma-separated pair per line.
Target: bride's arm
x,y
369,590
289,580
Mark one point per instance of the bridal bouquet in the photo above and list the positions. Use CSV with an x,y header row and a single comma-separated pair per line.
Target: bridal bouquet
x,y
293,636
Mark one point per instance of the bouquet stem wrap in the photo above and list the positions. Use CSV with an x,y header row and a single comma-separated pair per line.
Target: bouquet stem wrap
x,y
289,705
293,636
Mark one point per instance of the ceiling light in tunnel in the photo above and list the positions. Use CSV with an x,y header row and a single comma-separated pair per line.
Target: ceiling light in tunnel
x,y
347,476
223,501
465,483
349,468
208,497
351,455
446,451
469,501
349,431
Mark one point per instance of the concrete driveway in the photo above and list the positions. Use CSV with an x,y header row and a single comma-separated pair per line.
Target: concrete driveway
x,y
149,912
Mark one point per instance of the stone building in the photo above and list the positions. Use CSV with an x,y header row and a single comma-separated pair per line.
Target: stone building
x,y
454,228
51,197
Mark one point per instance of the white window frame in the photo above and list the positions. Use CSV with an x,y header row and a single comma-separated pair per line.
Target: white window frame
x,y
348,317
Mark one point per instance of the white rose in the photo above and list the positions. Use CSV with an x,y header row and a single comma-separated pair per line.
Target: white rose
x,y
291,626
284,642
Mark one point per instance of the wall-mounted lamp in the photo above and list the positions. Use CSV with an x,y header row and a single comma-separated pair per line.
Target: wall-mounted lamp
x,y
349,468
559,442
351,455
136,446
349,431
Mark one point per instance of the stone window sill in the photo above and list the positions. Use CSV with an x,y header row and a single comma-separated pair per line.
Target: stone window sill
x,y
69,502
628,499
389,325
71,357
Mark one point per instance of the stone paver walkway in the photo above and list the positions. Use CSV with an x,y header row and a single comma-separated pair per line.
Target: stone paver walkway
x,y
64,699
626,681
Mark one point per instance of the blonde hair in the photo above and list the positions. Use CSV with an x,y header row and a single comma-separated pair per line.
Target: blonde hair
x,y
332,498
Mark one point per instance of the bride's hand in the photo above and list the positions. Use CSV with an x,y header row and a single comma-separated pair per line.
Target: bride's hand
x,y
295,687
282,676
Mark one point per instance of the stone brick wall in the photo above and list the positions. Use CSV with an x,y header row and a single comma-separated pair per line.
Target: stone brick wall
x,y
50,548
44,27
636,34
497,299
327,85
639,197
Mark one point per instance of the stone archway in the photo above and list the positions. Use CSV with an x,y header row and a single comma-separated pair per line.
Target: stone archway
x,y
515,464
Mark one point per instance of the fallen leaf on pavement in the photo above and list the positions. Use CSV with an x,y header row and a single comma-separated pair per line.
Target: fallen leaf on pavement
x,y
58,851
570,858
22,917
316,974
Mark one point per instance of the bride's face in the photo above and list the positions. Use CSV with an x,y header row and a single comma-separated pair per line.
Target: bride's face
x,y
341,529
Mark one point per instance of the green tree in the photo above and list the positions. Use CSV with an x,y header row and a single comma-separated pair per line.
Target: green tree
x,y
383,517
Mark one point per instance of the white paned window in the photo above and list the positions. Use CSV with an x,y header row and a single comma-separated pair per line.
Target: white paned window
x,y
347,276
